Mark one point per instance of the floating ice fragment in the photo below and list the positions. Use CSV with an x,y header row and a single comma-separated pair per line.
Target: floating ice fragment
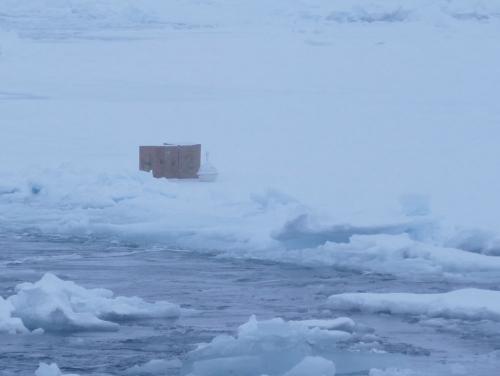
x,y
345,324
272,347
9,324
57,305
153,367
51,370
466,304
313,365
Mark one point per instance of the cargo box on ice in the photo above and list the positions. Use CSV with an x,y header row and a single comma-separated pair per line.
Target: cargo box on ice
x,y
173,161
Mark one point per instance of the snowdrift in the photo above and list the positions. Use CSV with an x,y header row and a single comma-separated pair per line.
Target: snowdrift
x,y
466,304
55,305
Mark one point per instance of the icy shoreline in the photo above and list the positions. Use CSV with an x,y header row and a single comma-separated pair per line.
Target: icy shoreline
x,y
270,225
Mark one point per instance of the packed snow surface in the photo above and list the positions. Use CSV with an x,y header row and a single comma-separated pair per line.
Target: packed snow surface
x,y
468,304
52,304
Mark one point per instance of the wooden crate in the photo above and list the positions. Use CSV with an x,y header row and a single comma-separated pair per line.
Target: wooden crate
x,y
171,161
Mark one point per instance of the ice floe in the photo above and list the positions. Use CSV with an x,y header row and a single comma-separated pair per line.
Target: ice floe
x,y
391,254
466,304
274,347
393,372
51,370
302,232
313,365
53,304
268,347
153,367
9,324
344,324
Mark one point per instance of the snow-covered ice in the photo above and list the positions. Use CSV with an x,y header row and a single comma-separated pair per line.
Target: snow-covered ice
x,y
51,370
335,161
268,225
467,304
85,15
312,365
9,324
153,367
272,347
355,141
344,324
52,304
392,254
393,372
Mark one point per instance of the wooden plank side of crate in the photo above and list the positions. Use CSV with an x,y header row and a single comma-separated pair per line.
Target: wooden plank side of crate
x,y
189,161
171,161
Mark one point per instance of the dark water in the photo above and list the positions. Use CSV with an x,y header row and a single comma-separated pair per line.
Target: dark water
x,y
224,293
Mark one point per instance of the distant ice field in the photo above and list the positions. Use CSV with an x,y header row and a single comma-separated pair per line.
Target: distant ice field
x,y
81,15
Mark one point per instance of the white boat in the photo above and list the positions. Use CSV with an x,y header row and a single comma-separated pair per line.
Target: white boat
x,y
207,172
